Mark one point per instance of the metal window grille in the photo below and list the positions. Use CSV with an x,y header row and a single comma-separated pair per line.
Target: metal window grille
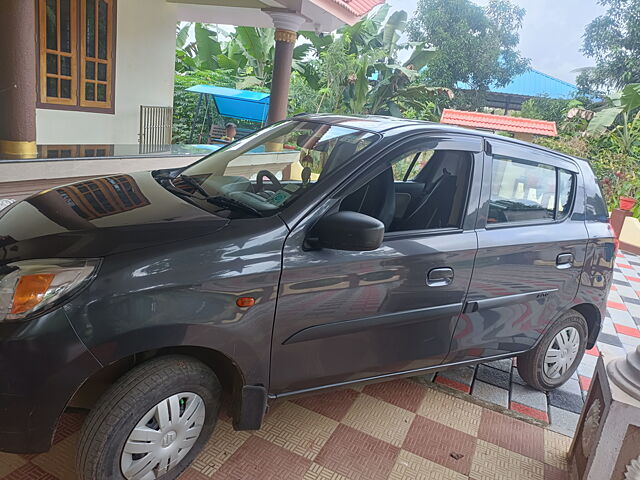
x,y
155,128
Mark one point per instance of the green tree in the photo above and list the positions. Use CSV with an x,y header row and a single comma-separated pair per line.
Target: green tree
x,y
357,70
613,41
475,45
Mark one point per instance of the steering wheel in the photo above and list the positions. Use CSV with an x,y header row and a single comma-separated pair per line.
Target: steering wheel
x,y
266,173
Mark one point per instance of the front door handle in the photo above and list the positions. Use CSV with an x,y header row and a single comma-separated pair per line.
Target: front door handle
x,y
440,277
564,260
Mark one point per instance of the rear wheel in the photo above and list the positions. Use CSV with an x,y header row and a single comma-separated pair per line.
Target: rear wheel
x,y
152,423
558,354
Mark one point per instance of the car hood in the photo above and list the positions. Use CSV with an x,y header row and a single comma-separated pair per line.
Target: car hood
x,y
100,217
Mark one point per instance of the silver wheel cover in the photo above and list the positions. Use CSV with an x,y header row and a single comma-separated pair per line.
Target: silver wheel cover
x,y
163,436
562,352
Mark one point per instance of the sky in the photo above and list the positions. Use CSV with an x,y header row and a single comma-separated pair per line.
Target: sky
x,y
551,34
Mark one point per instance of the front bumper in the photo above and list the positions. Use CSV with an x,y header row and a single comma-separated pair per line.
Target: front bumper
x,y
42,364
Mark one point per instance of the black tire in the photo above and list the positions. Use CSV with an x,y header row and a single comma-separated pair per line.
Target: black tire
x,y
531,363
118,411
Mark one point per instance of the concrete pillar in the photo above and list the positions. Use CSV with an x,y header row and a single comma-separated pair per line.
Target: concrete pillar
x,y
286,24
607,441
18,79
625,373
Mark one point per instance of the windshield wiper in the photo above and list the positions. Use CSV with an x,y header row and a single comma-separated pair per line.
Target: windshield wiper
x,y
188,179
230,203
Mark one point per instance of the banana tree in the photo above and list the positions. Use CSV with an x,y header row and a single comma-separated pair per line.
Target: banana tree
x,y
382,85
621,105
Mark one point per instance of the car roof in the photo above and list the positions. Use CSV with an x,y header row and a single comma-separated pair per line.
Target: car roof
x,y
384,124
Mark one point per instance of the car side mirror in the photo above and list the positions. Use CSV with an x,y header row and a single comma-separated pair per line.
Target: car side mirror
x,y
346,231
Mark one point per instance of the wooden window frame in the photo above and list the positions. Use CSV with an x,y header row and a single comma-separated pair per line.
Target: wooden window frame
x,y
78,49
42,26
84,58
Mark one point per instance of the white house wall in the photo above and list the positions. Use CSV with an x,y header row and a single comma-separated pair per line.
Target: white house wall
x,y
145,50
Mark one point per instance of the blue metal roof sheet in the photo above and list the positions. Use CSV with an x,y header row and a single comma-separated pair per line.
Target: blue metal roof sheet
x,y
534,83
242,104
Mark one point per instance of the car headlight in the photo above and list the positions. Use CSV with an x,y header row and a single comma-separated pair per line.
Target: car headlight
x,y
30,286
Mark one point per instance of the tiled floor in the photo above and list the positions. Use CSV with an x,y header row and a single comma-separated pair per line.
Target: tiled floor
x,y
404,429
396,430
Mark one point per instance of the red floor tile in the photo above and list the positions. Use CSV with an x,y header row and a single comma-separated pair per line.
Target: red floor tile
x,y
613,288
553,473
632,332
616,305
512,434
29,472
191,474
69,424
632,279
532,412
593,351
585,382
401,393
624,265
440,444
357,455
334,404
258,458
453,384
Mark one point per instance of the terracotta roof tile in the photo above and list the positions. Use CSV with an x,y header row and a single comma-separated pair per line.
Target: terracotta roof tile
x,y
358,7
498,122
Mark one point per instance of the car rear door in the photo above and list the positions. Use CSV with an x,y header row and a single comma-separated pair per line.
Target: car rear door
x,y
343,316
531,249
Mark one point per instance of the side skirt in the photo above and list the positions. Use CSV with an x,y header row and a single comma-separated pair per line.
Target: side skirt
x,y
389,376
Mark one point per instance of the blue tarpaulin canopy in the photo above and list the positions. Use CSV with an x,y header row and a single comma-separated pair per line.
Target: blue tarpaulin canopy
x,y
233,103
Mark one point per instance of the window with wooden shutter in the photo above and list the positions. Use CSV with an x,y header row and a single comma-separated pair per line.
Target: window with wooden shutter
x,y
96,54
58,52
76,43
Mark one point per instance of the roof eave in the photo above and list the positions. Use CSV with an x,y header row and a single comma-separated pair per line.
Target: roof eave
x,y
343,14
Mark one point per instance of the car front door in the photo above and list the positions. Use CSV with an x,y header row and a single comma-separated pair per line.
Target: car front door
x,y
531,249
344,315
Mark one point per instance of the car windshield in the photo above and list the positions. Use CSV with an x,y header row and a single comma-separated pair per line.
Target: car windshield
x,y
268,170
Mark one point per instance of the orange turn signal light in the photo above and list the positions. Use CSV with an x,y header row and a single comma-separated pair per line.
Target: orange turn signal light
x,y
245,302
30,291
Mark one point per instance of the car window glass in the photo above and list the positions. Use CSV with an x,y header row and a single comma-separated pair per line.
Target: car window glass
x,y
595,208
270,169
521,191
566,187
420,190
410,165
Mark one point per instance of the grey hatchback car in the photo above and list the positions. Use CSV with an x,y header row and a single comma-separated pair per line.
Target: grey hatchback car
x,y
315,253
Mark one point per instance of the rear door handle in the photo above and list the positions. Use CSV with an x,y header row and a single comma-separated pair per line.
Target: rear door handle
x,y
440,277
564,260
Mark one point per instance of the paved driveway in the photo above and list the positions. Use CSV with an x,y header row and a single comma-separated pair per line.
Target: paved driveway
x,y
393,430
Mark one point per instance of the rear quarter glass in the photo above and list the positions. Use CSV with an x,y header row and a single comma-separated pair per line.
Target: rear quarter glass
x,y
595,206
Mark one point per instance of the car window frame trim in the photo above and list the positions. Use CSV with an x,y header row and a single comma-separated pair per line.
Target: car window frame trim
x,y
554,161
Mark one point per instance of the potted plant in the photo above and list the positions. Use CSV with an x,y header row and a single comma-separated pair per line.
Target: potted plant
x,y
627,203
628,189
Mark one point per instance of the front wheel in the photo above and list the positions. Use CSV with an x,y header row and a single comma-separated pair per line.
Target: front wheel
x,y
151,423
552,362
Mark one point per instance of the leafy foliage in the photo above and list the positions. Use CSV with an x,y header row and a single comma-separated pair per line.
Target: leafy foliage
x,y
613,41
612,145
620,105
474,45
356,69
